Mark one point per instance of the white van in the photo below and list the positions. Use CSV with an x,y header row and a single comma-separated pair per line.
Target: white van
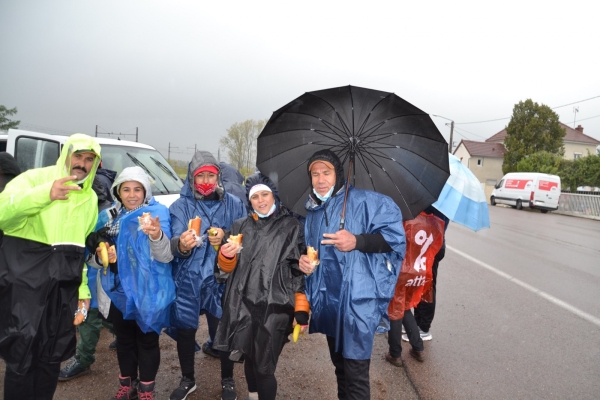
x,y
35,150
528,189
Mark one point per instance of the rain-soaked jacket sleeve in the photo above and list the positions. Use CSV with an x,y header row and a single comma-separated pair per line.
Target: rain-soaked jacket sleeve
x,y
21,198
84,290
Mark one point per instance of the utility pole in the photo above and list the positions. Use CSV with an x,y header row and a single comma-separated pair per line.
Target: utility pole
x,y
451,132
136,134
169,152
96,130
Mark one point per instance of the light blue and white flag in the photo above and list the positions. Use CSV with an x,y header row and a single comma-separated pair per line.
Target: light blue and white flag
x,y
462,199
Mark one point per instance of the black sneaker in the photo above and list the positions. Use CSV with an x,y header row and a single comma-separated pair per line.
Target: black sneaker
x,y
73,369
113,344
228,389
207,349
186,386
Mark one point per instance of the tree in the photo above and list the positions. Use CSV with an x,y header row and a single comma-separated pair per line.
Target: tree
x,y
542,161
241,144
533,127
584,171
5,123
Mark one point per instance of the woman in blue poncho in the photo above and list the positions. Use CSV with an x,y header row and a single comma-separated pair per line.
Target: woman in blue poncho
x,y
138,280
198,293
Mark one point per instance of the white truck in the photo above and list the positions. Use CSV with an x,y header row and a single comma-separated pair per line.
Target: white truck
x,y
528,189
35,150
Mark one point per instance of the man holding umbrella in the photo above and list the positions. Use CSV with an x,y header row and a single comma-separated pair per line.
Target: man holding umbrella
x,y
351,287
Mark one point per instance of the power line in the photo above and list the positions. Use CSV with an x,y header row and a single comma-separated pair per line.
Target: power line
x,y
596,116
552,108
580,101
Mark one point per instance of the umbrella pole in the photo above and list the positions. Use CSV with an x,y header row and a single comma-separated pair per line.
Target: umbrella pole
x,y
350,165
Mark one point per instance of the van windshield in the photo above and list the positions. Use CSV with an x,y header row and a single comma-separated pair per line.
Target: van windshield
x,y
164,179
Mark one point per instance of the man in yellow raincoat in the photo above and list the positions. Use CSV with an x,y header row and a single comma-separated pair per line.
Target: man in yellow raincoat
x,y
46,214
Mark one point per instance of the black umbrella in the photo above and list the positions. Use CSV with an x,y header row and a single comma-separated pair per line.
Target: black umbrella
x,y
385,143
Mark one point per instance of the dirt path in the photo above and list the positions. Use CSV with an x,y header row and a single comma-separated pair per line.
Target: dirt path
x,y
304,372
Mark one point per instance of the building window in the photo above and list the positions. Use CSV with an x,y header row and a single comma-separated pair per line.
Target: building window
x,y
577,155
479,162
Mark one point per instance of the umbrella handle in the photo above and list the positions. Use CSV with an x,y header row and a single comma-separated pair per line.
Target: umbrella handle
x,y
350,165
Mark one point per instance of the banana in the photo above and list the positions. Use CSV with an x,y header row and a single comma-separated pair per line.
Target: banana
x,y
296,333
104,255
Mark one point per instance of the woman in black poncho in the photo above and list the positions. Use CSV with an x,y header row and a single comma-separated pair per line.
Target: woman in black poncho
x,y
263,284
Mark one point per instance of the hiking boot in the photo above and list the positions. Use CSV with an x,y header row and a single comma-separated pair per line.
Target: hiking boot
x,y
127,389
229,393
186,386
113,344
73,369
394,361
418,355
146,390
207,349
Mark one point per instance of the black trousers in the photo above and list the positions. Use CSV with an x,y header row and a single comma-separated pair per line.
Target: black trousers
x,y
412,331
352,375
135,349
424,312
264,385
186,343
39,383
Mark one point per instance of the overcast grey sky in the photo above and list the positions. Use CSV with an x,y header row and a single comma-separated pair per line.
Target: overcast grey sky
x,y
185,71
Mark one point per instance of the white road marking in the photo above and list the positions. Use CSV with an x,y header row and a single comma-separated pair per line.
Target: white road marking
x,y
532,289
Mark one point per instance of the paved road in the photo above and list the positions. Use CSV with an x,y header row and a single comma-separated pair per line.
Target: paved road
x,y
518,311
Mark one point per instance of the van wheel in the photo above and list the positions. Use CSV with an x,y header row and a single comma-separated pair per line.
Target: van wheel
x,y
519,205
493,200
544,211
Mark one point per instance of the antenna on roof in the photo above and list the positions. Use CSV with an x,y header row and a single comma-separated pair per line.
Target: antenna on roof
x,y
575,111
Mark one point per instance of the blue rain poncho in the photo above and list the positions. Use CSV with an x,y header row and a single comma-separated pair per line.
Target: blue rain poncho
x,y
143,290
349,292
195,283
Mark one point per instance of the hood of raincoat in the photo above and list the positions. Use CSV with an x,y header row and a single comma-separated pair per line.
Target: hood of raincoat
x,y
106,177
233,182
8,169
8,165
128,174
230,174
200,159
76,143
332,158
256,179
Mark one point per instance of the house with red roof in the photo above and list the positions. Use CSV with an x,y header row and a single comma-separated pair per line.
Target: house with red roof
x,y
485,159
576,143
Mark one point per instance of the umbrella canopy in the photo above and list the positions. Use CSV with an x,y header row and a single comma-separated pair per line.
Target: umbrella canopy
x,y
462,199
394,147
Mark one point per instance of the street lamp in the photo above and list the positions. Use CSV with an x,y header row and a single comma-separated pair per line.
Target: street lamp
x,y
451,131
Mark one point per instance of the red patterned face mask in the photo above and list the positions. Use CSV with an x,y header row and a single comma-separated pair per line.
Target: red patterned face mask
x,y
205,189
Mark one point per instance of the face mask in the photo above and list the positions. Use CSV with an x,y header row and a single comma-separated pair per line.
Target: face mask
x,y
205,189
271,211
323,198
